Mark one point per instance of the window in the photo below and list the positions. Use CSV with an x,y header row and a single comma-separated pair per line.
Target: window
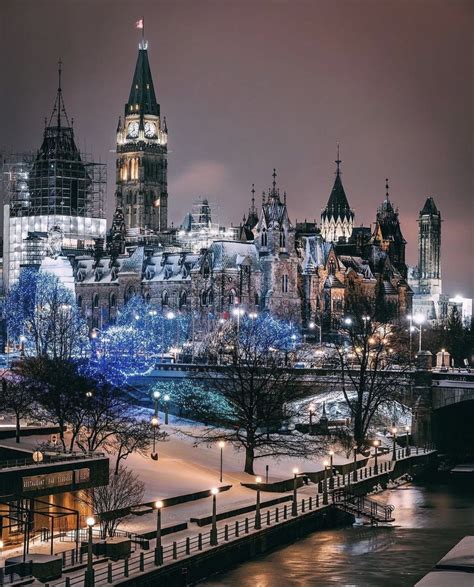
x,y
332,267
206,270
95,300
232,297
183,298
282,239
284,283
79,301
165,298
264,238
147,298
113,301
204,298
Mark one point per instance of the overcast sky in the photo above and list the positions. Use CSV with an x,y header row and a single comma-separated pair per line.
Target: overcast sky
x,y
248,86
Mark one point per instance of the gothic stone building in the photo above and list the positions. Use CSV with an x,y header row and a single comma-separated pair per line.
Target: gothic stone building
x,y
299,273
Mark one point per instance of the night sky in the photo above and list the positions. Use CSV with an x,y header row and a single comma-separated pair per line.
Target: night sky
x,y
248,86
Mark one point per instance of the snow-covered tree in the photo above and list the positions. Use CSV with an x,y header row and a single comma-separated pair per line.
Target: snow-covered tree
x,y
43,317
250,400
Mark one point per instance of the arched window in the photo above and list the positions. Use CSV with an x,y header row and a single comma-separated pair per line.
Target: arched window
x,y
284,283
264,238
79,301
206,271
183,298
204,298
282,239
165,298
113,300
147,298
257,300
232,297
332,267
95,300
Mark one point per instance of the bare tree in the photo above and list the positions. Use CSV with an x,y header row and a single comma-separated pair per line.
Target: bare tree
x,y
252,399
371,371
16,396
133,436
111,503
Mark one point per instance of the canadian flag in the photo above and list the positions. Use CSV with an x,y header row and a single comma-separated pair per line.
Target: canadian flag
x,y
139,24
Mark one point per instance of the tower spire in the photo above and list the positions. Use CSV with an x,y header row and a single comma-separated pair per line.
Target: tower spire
x,y
59,108
60,63
387,194
338,162
252,191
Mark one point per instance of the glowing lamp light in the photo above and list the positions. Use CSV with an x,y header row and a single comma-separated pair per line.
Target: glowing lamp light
x,y
258,479
295,471
348,321
419,318
394,430
326,463
166,398
214,491
156,394
158,504
90,521
376,442
170,315
221,444
331,453
154,421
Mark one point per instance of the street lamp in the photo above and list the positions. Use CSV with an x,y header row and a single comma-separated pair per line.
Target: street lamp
x,y
311,414
312,326
331,474
214,492
221,446
154,424
166,399
169,316
258,519
394,452
89,578
407,432
294,505
347,321
156,397
376,466
158,547
419,319
325,485
354,473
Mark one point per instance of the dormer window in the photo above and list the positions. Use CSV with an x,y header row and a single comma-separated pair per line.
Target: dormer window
x,y
332,267
206,271
264,238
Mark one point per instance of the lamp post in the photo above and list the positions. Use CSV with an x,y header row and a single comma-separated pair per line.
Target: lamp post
x,y
221,446
376,465
156,397
325,485
312,326
354,473
166,399
331,473
89,578
419,319
154,424
169,316
311,414
258,518
407,432
294,505
158,547
394,452
410,332
214,492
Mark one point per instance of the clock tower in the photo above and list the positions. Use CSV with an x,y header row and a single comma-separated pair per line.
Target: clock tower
x,y
142,147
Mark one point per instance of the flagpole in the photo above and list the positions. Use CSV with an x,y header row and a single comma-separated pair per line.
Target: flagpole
x,y
143,31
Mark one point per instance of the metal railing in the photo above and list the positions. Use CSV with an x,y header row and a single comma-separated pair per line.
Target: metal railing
x,y
106,572
49,459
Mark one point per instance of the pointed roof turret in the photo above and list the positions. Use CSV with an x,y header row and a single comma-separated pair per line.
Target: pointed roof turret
x,y
142,92
429,208
338,205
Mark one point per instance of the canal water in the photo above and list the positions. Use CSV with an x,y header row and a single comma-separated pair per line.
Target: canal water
x,y
429,520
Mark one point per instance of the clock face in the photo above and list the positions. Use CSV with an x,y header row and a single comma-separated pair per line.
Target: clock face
x,y
150,129
133,129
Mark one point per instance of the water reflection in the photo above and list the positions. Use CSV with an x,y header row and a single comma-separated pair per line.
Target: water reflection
x,y
429,521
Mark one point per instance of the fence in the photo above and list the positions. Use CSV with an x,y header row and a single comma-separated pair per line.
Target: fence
x,y
106,572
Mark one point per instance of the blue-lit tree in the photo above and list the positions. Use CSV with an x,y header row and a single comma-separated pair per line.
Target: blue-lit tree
x,y
141,335
43,317
250,400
